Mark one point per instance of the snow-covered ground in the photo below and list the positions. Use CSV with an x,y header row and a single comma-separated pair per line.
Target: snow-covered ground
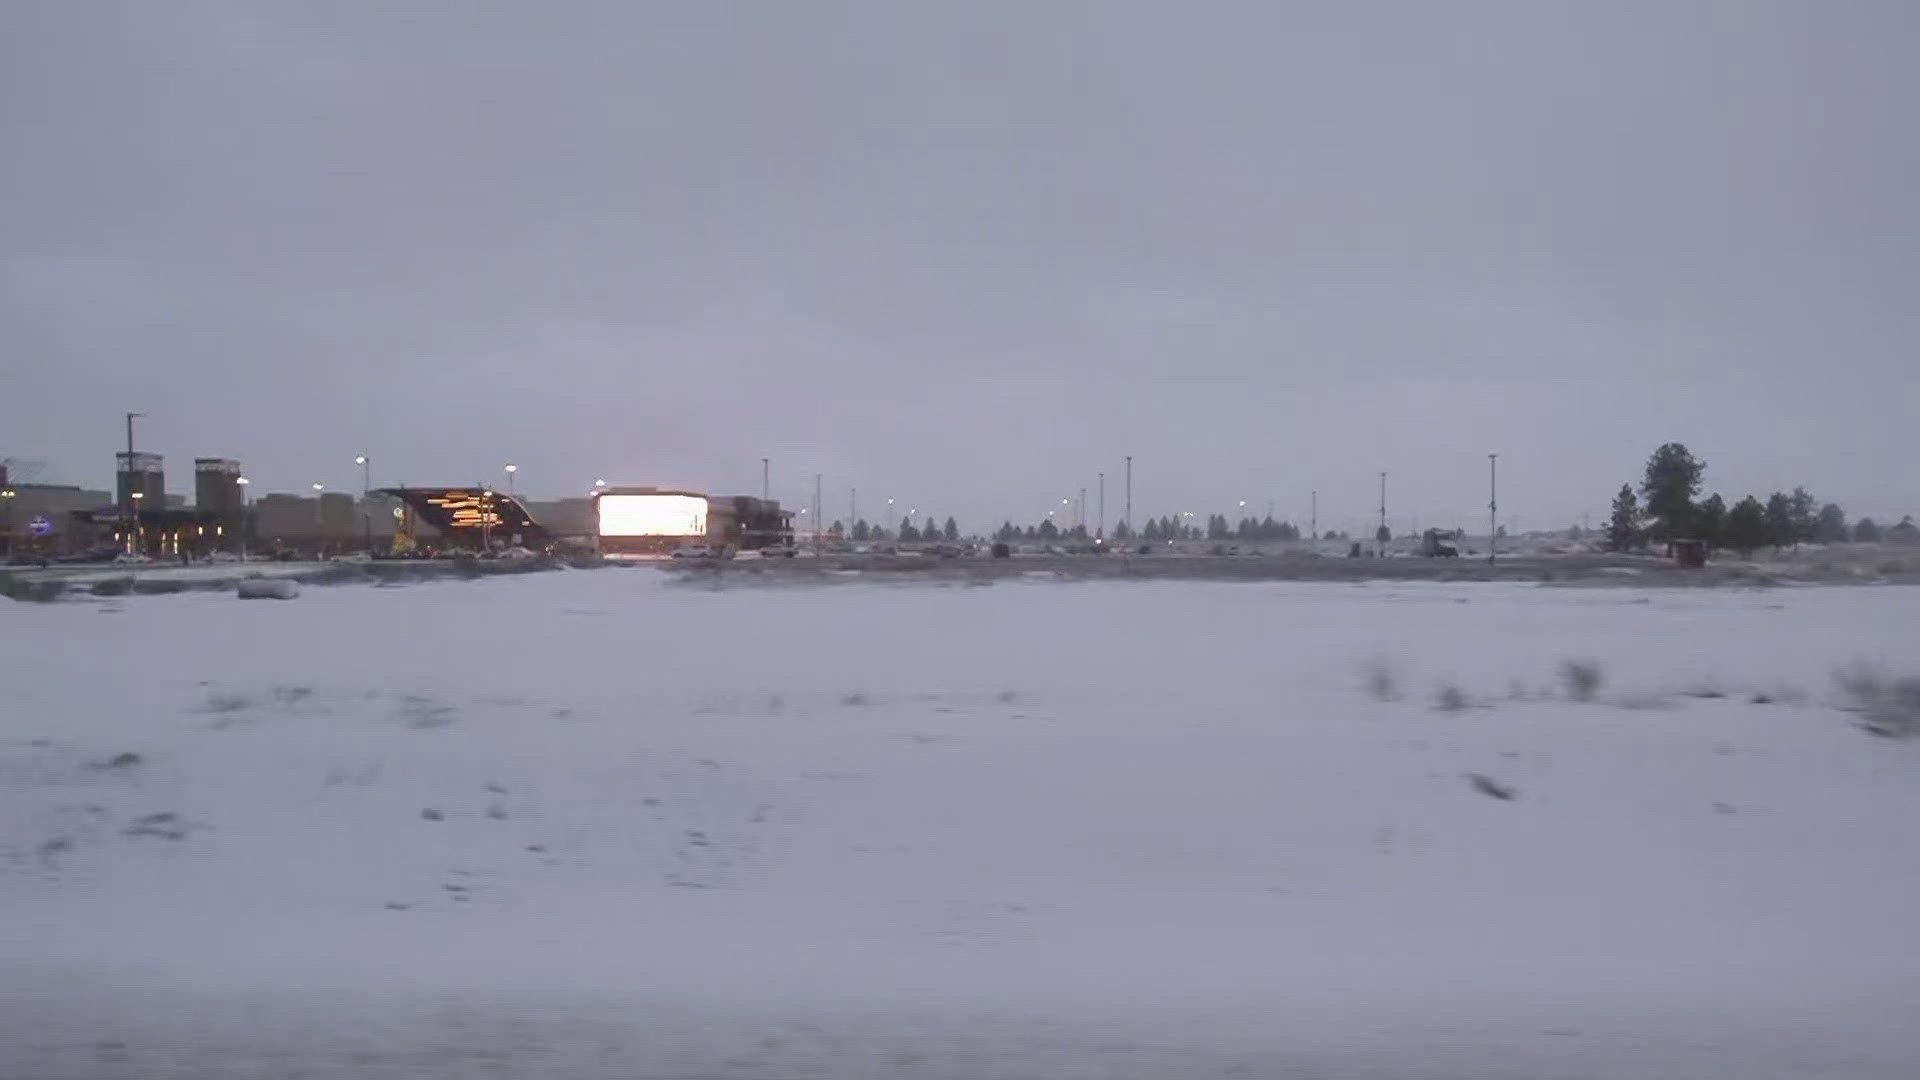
x,y
591,824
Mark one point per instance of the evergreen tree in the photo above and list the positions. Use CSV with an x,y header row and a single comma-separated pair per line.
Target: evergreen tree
x,y
1048,531
1030,533
861,531
1672,480
1746,529
929,531
1779,517
1152,533
1710,524
908,534
1121,532
951,531
1804,514
1623,531
1866,532
837,530
1832,526
1905,532
1007,532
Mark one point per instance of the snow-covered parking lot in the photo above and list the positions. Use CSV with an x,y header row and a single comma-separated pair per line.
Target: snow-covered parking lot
x,y
592,824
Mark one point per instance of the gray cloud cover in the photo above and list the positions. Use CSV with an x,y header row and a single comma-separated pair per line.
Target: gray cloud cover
x,y
970,255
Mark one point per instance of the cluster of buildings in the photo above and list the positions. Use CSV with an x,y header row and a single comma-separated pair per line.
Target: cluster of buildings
x,y
141,516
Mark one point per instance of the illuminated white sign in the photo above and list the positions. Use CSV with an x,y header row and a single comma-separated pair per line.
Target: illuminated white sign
x,y
652,515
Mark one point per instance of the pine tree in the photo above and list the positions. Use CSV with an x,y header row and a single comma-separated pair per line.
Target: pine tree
x,y
1151,533
1746,528
1623,531
1779,518
908,534
1048,530
951,531
861,531
1866,531
1804,514
1672,480
1832,526
1710,524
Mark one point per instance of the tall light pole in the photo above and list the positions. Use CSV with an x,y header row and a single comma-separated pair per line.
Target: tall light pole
x,y
853,510
1313,521
511,469
1100,529
133,508
766,477
1493,506
1381,536
319,521
1128,520
816,513
246,524
366,485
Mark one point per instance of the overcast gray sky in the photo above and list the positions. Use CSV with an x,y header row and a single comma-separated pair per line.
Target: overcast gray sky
x,y
970,255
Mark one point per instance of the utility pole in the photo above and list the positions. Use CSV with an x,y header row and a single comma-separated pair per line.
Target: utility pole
x,y
366,512
1128,520
1313,526
1100,530
816,514
1493,506
766,474
853,509
1083,508
133,508
1380,543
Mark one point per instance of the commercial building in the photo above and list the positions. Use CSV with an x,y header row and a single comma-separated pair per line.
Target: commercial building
x,y
637,522
216,487
140,477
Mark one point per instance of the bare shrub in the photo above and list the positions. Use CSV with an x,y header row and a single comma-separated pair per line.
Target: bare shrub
x,y
1886,705
1378,677
227,701
1582,679
1449,698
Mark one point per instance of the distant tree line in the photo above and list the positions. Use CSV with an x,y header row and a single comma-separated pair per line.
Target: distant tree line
x,y
906,533
1664,510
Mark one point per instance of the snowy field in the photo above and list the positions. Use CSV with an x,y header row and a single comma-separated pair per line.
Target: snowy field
x,y
594,825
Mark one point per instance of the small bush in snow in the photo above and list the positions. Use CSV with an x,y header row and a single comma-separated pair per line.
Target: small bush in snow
x,y
1377,676
221,701
1450,698
1582,679
1886,705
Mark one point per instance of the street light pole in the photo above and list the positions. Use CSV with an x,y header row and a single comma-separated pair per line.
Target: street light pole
x,y
816,513
366,514
1382,536
1493,507
1313,521
246,525
766,477
319,522
1128,520
1100,529
133,508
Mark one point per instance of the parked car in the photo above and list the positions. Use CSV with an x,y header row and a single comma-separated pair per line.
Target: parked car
x,y
694,551
778,551
132,558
